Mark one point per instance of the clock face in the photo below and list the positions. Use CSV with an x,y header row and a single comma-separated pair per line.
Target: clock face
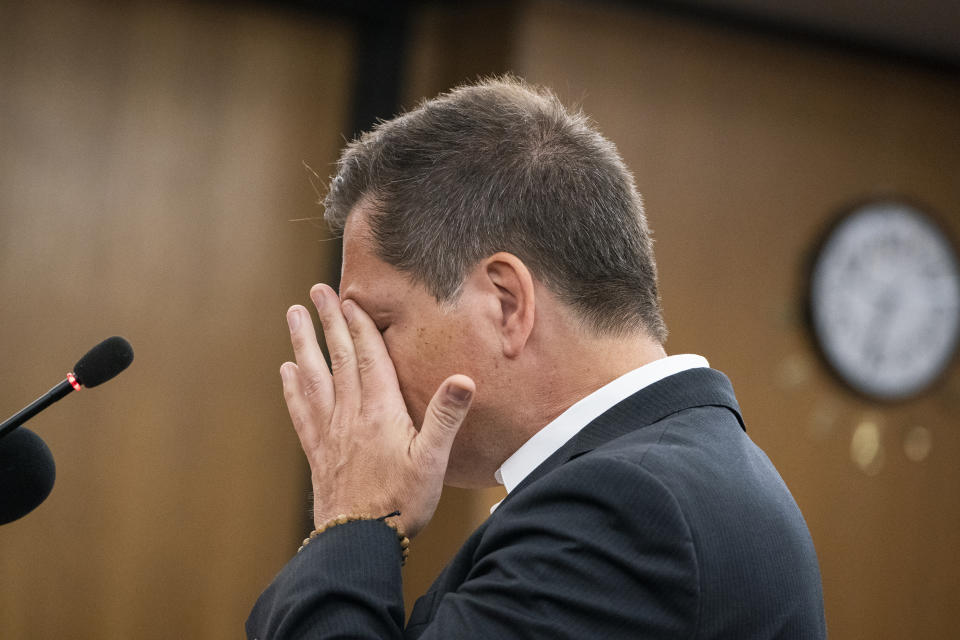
x,y
885,300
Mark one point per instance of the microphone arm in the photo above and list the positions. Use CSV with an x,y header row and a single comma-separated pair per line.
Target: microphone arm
x,y
38,405
98,365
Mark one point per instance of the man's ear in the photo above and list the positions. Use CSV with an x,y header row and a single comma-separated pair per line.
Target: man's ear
x,y
512,284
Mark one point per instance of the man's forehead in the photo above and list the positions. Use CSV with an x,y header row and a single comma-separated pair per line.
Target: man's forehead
x,y
355,236
361,267
357,226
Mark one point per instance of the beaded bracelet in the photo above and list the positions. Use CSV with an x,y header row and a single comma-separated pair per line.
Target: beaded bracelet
x,y
344,519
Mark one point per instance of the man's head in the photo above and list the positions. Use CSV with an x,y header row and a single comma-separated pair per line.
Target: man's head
x,y
487,203
501,166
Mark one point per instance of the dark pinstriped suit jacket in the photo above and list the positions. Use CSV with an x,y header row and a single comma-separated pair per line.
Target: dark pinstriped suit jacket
x,y
660,519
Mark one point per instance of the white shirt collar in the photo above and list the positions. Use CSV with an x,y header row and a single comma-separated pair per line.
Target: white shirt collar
x,y
555,434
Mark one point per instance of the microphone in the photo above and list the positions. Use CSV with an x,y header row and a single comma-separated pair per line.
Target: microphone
x,y
27,472
98,365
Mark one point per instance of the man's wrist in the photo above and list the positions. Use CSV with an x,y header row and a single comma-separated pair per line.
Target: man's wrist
x,y
345,518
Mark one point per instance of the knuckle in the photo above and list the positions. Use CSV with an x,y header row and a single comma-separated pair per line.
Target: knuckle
x,y
325,318
297,340
305,429
299,422
315,385
340,358
427,459
366,362
289,393
446,415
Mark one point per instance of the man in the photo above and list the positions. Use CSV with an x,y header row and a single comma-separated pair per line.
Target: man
x,y
499,322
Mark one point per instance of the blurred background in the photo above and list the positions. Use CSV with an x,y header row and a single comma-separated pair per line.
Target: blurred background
x,y
155,183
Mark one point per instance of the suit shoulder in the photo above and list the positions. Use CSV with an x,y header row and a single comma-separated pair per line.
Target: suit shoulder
x,y
696,478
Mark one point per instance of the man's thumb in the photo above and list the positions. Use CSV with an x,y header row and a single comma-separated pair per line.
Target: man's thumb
x,y
445,414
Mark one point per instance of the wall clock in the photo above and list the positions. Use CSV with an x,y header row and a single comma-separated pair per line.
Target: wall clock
x,y
884,299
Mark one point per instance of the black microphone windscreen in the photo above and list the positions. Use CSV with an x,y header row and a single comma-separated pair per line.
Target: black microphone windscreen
x,y
104,361
27,472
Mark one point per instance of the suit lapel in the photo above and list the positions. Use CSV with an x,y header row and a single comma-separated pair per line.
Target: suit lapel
x,y
700,387
692,388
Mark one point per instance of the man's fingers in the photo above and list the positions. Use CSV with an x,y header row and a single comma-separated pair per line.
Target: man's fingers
x,y
443,418
378,378
343,357
297,404
313,383
306,350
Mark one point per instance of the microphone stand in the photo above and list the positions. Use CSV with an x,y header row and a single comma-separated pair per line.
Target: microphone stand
x,y
38,405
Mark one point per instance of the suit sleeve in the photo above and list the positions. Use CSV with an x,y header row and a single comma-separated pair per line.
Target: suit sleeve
x,y
345,583
597,549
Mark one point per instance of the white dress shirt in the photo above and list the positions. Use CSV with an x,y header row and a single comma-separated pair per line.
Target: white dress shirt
x,y
569,423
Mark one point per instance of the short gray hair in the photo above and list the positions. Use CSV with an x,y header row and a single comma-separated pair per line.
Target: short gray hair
x,y
502,166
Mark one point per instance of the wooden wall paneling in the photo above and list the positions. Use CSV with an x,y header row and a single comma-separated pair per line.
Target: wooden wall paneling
x,y
150,164
451,45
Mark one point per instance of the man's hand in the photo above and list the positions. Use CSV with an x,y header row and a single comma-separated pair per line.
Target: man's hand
x,y
365,455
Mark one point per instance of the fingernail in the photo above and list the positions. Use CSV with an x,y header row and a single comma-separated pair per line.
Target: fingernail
x,y
458,394
284,373
347,308
293,319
